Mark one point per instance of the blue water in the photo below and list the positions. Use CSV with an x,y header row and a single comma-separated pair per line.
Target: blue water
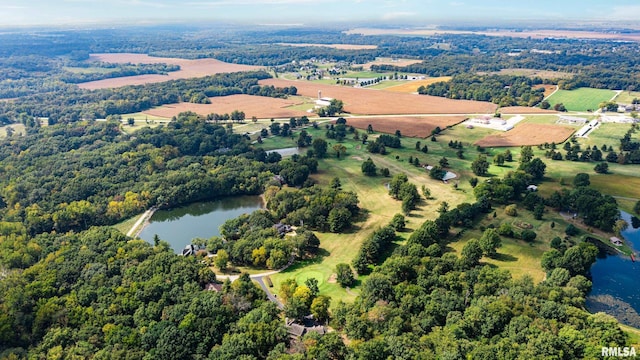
x,y
180,225
619,277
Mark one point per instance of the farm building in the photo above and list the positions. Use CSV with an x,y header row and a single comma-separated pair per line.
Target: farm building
x,y
587,128
572,120
532,188
323,101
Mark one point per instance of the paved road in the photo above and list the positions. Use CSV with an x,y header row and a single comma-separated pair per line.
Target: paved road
x,y
270,296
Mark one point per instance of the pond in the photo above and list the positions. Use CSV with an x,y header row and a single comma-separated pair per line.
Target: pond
x,y
616,279
180,225
287,151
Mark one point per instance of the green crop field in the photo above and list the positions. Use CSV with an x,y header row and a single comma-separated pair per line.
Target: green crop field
x,y
581,99
626,97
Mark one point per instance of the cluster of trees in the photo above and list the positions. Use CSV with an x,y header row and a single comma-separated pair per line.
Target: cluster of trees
x,y
252,239
401,189
595,209
335,107
314,207
382,142
372,249
503,90
302,300
511,187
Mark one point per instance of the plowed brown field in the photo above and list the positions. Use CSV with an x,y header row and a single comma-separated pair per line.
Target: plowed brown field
x,y
412,126
380,102
528,134
258,106
188,69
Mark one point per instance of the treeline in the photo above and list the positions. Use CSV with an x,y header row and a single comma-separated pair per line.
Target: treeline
x,y
503,90
114,71
629,151
32,74
70,104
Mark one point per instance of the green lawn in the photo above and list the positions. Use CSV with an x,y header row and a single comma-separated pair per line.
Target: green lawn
x,y
373,195
125,225
517,256
581,99
386,84
627,97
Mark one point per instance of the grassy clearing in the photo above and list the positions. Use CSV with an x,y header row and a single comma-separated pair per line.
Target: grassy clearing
x,y
373,195
632,333
617,185
517,256
17,129
627,97
125,225
581,99
386,84
89,70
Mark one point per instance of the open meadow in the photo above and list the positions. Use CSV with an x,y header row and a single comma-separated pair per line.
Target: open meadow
x,y
379,102
626,97
378,206
413,85
581,99
188,69
390,61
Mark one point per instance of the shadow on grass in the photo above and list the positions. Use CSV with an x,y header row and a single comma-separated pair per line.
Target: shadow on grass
x,y
504,257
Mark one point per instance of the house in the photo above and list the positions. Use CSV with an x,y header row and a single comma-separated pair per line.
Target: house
x,y
309,324
532,188
616,241
213,287
190,250
282,228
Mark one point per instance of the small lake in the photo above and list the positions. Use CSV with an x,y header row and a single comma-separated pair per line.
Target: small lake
x,y
286,151
180,225
616,281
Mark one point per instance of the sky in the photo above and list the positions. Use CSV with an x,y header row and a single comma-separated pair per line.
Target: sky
x,y
133,12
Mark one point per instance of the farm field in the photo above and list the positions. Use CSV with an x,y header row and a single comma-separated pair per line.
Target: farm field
x,y
412,126
188,69
412,86
581,99
381,102
544,74
626,97
524,110
390,61
334,46
386,84
258,106
528,134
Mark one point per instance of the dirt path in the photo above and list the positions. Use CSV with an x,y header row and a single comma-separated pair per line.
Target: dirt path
x,y
144,217
554,91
